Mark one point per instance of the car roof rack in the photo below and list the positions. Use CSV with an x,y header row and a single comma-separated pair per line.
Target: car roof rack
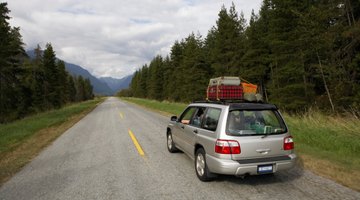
x,y
228,101
242,104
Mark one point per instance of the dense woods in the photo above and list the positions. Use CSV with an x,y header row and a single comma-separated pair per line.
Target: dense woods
x,y
302,53
33,85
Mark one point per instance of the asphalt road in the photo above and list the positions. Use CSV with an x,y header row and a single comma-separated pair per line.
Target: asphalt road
x,y
97,159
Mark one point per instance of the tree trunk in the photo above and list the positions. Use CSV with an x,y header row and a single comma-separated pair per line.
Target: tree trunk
x,y
272,75
348,15
325,84
277,77
266,95
304,75
350,11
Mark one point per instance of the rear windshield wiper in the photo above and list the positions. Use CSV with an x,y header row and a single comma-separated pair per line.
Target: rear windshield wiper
x,y
266,134
249,134
271,133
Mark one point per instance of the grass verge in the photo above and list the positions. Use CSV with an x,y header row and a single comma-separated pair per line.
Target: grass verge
x,y
327,145
22,140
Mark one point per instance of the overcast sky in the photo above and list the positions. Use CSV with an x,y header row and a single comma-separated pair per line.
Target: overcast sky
x,y
115,37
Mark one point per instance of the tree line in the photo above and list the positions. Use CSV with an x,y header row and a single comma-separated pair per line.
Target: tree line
x,y
33,85
302,53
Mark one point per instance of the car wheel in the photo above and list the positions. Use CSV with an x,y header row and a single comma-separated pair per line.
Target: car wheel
x,y
201,167
170,143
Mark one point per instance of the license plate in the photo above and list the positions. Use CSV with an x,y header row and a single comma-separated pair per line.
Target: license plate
x,y
263,169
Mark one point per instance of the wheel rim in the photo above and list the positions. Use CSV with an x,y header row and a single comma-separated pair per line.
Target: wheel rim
x,y
200,164
169,142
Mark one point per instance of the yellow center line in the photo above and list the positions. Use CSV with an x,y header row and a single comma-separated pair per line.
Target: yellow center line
x,y
121,115
136,143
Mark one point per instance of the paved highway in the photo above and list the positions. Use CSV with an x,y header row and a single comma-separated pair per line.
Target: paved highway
x,y
118,151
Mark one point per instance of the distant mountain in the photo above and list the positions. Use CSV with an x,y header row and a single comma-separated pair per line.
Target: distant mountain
x,y
99,87
117,84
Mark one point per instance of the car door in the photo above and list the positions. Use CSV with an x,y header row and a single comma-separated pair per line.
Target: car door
x,y
191,130
182,126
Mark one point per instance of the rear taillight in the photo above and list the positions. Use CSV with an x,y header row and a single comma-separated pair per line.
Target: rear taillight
x,y
288,143
227,147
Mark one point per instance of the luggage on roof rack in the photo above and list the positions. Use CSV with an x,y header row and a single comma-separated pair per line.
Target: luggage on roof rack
x,y
225,80
223,88
249,88
231,88
224,92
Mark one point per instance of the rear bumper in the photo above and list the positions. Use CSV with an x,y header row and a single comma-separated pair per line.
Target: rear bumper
x,y
249,166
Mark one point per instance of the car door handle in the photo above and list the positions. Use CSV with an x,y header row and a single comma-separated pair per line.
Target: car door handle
x,y
195,131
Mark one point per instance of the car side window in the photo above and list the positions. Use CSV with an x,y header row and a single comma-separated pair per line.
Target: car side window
x,y
198,117
187,115
211,119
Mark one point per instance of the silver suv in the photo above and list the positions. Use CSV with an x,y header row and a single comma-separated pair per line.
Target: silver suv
x,y
232,138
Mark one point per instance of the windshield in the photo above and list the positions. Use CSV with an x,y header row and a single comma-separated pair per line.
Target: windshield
x,y
254,122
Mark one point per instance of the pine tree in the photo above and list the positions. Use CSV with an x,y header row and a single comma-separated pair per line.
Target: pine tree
x,y
25,96
63,89
37,81
256,58
134,83
88,90
71,88
142,87
287,63
228,43
177,77
195,72
11,54
155,79
51,84
80,89
345,32
167,73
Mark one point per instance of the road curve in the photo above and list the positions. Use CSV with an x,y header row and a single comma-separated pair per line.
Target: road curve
x,y
98,159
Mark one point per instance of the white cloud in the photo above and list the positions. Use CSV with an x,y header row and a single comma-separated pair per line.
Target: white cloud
x,y
114,38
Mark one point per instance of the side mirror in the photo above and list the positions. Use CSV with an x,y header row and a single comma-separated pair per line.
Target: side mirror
x,y
173,118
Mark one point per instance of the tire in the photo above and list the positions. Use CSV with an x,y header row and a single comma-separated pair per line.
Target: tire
x,y
170,143
201,168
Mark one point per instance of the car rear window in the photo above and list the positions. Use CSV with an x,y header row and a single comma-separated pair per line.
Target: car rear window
x,y
254,122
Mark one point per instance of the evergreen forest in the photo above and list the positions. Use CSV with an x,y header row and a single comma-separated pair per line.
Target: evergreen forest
x,y
302,53
29,86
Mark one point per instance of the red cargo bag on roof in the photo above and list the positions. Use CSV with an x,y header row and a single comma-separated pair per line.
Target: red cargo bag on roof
x,y
224,92
224,88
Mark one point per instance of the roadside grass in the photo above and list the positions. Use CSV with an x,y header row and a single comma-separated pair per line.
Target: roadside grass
x,y
327,145
335,138
22,140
